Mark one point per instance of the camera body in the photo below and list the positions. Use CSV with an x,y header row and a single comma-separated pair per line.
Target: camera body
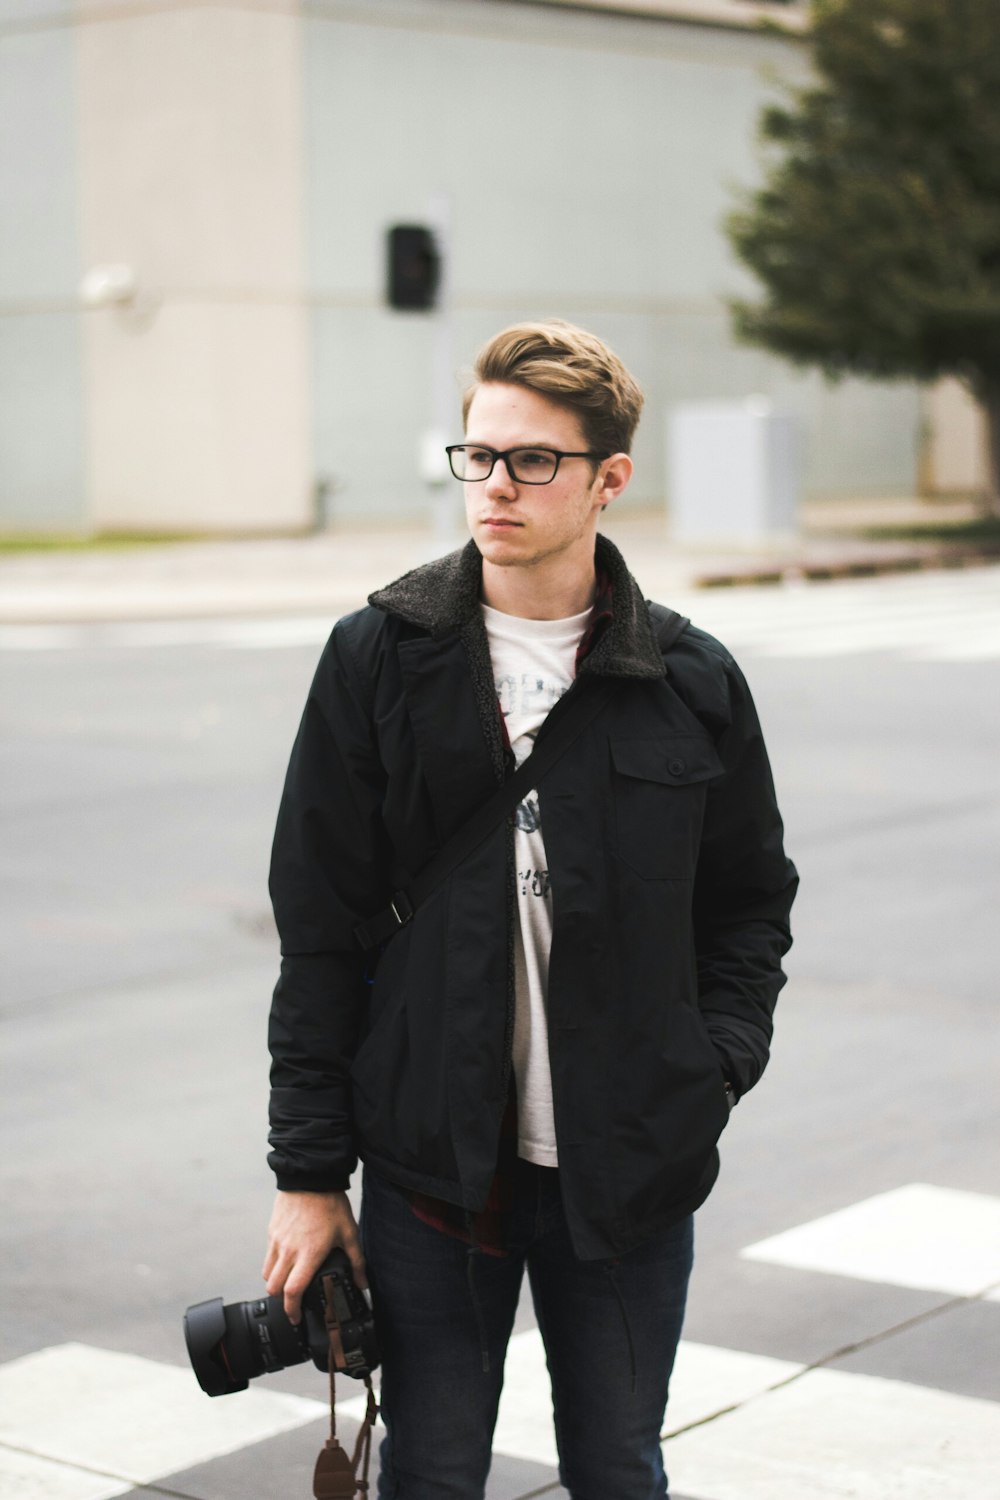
x,y
230,1344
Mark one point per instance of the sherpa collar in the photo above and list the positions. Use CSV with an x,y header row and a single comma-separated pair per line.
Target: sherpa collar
x,y
443,596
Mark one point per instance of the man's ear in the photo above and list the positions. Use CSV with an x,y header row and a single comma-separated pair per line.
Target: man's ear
x,y
615,474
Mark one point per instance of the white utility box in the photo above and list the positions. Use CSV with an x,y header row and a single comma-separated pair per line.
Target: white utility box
x,y
733,471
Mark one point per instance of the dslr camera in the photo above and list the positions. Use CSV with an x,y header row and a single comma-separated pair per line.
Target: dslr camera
x,y
231,1344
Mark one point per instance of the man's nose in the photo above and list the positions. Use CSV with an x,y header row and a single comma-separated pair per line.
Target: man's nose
x,y
500,482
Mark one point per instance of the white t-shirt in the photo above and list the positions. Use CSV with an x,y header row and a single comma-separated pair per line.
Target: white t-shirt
x,y
534,662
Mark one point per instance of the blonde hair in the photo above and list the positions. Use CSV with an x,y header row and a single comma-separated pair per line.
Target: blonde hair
x,y
570,366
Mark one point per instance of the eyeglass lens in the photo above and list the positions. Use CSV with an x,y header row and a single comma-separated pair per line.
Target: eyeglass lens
x,y
528,465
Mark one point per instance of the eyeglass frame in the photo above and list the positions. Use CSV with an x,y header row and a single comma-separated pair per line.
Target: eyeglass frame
x,y
557,453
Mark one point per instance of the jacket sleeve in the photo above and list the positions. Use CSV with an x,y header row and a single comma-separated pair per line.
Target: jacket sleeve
x,y
744,889
325,872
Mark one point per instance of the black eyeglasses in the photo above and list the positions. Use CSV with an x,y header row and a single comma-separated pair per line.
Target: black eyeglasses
x,y
474,461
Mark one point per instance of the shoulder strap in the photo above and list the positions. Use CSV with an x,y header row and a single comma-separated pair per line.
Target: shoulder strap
x,y
668,625
567,720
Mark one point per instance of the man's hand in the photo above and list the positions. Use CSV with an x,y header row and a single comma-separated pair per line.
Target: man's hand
x,y
304,1228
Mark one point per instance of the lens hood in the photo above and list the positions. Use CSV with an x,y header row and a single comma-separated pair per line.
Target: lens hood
x,y
204,1334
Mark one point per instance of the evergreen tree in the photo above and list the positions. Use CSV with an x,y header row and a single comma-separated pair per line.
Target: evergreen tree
x,y
876,233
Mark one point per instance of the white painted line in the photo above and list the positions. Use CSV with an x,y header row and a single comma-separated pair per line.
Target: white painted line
x,y
982,643
839,1436
706,1380
252,634
938,1239
912,614
131,1417
932,616
829,1435
761,609
970,633
39,638
355,1406
24,1477
524,1423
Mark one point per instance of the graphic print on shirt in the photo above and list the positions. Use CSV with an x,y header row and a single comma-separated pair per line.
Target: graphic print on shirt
x,y
534,882
527,817
526,695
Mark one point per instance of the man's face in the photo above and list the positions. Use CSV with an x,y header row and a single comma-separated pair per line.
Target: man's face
x,y
521,525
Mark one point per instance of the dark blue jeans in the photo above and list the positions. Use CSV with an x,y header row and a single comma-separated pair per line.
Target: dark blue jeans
x,y
444,1310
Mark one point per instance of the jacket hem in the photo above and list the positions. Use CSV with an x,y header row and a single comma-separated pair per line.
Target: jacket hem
x,y
630,1237
434,1187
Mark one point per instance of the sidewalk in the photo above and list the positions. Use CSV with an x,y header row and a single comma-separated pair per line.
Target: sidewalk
x,y
331,572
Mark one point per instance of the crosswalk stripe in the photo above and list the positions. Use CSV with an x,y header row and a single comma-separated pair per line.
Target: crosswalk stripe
x,y
791,608
834,1435
278,633
24,1476
121,1419
917,1236
79,1423
780,1431
984,645
706,1381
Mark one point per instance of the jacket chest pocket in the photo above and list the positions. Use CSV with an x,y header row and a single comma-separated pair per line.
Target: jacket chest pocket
x,y
660,786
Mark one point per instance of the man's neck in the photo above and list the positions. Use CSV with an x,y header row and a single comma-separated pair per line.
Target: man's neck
x,y
550,590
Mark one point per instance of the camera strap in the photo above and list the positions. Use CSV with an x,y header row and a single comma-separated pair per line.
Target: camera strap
x,y
336,1476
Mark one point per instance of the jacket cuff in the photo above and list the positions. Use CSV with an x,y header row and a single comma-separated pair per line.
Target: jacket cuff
x,y
311,1183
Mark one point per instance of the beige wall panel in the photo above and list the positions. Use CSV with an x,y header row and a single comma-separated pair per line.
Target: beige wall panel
x,y
200,419
191,148
957,440
190,134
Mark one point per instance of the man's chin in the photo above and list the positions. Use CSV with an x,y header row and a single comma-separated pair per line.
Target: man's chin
x,y
503,551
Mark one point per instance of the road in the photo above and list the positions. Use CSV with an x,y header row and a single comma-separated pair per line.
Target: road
x,y
856,1226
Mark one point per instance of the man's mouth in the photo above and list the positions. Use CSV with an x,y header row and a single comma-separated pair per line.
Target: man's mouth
x,y
499,521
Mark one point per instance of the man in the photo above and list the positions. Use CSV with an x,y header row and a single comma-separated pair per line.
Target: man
x,y
536,1066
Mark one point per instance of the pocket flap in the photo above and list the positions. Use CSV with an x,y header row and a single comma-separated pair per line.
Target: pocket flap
x,y
674,761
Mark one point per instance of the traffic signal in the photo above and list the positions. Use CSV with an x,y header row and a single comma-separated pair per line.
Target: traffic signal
x,y
414,267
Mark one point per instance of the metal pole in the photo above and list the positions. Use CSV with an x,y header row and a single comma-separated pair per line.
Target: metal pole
x,y
447,531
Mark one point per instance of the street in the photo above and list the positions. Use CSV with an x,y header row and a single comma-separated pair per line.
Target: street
x,y
856,1224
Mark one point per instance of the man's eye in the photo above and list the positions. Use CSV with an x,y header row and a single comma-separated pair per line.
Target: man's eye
x,y
534,458
478,456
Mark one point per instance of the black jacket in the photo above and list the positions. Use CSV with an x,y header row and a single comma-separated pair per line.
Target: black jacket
x,y
671,897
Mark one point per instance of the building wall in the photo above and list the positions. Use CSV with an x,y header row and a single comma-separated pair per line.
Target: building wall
x,y
588,162
245,159
190,146
41,382
957,441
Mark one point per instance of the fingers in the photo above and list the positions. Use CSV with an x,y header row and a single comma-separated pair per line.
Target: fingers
x,y
290,1274
351,1243
304,1228
288,1270
298,1279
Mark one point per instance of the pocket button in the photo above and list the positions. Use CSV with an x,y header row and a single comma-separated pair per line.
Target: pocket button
x,y
676,767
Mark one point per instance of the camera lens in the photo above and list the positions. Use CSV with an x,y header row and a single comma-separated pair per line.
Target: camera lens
x,y
230,1344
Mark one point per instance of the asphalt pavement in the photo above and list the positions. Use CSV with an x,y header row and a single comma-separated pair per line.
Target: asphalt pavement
x,y
844,1322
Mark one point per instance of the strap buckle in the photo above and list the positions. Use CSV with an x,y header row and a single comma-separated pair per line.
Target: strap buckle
x,y
401,908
